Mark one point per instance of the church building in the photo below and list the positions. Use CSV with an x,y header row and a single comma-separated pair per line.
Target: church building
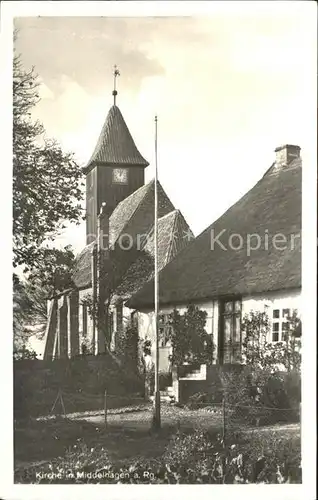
x,y
248,259
118,258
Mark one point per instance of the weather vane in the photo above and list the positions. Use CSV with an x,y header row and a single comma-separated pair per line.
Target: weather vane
x,y
116,73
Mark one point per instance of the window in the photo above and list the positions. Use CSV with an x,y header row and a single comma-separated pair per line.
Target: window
x,y
275,336
231,331
237,306
228,307
280,325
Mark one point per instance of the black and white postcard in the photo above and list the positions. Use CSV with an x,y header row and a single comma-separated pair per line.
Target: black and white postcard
x,y
159,189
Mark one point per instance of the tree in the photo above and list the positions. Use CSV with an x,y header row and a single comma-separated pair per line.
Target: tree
x,y
52,274
54,270
21,308
21,304
189,340
46,181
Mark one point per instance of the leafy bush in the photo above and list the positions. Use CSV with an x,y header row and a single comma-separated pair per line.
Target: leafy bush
x,y
261,397
24,353
189,339
198,457
258,352
201,457
292,385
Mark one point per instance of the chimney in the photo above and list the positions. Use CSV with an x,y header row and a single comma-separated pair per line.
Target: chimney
x,y
286,154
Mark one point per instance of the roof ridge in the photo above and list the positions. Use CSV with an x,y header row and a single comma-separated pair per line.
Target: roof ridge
x,y
91,244
146,189
294,164
169,213
171,239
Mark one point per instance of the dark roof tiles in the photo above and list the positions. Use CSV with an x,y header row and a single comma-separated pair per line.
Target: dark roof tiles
x,y
172,238
115,145
134,216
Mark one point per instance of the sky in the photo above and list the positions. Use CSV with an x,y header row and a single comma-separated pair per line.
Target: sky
x,y
228,88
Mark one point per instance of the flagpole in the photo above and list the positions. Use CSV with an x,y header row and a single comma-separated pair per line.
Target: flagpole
x,y
156,414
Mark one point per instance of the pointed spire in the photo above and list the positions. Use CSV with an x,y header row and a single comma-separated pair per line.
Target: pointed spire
x,y
115,145
116,73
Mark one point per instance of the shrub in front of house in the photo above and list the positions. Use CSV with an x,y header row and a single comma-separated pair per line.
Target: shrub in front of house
x,y
258,352
260,397
292,385
189,340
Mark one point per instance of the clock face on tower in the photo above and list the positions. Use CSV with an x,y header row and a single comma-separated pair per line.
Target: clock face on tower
x,y
120,175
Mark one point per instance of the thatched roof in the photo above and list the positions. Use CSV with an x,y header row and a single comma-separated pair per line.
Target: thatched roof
x,y
134,216
115,145
271,207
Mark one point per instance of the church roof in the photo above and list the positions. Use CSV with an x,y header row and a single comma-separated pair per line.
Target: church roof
x,y
204,270
173,236
133,216
115,145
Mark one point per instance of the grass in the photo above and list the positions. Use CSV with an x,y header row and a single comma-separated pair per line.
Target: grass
x,y
48,437
129,437
43,441
77,402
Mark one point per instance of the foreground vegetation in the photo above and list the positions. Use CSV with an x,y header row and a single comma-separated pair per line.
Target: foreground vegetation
x,y
250,434
82,451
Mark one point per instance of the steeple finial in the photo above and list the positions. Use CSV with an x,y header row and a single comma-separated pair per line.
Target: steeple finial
x,y
116,73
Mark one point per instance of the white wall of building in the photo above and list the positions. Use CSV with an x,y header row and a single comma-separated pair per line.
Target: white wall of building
x,y
270,301
290,299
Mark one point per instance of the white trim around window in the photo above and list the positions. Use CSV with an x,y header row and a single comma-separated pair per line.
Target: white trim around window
x,y
280,323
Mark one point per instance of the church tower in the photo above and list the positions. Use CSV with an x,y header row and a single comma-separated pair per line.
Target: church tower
x,y
115,170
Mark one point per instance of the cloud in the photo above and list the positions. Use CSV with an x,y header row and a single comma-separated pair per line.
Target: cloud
x,y
228,89
85,50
